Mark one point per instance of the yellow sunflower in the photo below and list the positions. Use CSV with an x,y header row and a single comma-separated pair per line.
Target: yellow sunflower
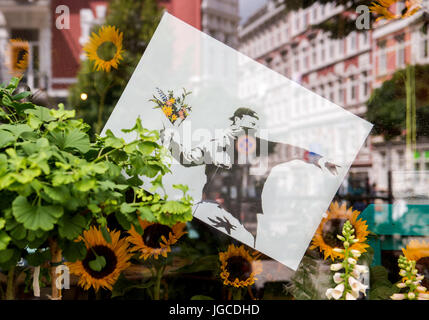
x,y
19,54
239,267
381,7
167,110
156,239
115,254
170,102
107,35
173,117
419,252
325,237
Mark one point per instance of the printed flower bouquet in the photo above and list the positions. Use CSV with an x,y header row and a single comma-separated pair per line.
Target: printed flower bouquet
x,y
173,107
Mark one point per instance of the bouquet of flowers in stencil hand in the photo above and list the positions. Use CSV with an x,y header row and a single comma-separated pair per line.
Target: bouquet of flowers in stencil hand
x,y
173,107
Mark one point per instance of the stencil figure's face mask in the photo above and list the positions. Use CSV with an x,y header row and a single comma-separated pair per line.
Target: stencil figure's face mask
x,y
246,123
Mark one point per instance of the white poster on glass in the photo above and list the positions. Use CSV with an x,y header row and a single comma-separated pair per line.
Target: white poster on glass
x,y
263,156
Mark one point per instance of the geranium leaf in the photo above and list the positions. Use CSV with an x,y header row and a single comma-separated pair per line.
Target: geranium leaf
x,y
35,217
71,139
71,227
4,240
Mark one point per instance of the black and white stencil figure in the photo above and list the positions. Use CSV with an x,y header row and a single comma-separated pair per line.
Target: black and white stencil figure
x,y
262,156
237,165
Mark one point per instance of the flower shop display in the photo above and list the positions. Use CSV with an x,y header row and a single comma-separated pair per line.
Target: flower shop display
x,y
55,184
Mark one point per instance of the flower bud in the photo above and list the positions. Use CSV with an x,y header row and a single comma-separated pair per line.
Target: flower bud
x,y
397,296
423,296
355,253
421,289
351,261
338,250
341,237
336,266
346,244
338,277
411,295
402,273
401,285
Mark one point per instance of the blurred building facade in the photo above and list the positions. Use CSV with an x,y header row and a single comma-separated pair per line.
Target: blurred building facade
x,y
55,49
344,71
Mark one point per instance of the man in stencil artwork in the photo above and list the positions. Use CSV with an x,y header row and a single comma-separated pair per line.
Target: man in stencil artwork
x,y
237,165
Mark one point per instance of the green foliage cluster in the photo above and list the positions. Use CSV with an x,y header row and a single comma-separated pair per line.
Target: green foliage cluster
x,y
55,182
387,105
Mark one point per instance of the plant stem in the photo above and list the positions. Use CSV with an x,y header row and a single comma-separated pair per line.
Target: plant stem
x,y
157,287
10,289
101,108
237,294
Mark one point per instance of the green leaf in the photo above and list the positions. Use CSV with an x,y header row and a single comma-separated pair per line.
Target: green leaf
x,y
19,232
35,217
4,240
13,84
182,187
17,129
146,213
86,184
73,251
147,147
174,207
2,223
61,113
123,221
71,139
94,208
20,107
6,138
41,113
21,95
106,234
98,263
127,208
71,227
6,255
34,122
38,258
59,194
112,141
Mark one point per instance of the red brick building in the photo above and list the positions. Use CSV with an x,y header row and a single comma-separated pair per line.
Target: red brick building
x,y
56,50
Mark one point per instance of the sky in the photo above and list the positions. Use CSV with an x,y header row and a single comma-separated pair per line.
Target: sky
x,y
248,7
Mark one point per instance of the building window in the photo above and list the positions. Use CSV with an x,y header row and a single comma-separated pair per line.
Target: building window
x,y
322,53
424,48
341,47
341,95
352,42
331,91
331,49
400,52
382,57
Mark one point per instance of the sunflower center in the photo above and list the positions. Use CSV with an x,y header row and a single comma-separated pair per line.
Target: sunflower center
x,y
20,54
106,51
108,254
330,230
422,265
152,235
238,267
